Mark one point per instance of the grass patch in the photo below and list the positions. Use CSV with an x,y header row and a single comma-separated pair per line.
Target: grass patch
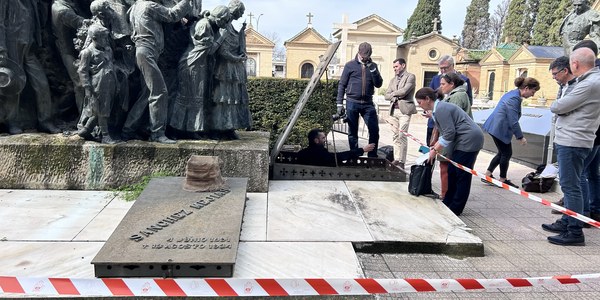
x,y
132,191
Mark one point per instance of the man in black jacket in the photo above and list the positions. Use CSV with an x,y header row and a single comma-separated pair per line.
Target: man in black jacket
x,y
359,80
317,155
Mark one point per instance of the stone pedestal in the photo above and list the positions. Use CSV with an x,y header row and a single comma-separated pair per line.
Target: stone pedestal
x,y
170,232
44,161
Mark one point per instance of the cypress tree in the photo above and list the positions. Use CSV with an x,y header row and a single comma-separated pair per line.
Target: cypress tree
x,y
549,18
476,27
421,21
515,30
531,15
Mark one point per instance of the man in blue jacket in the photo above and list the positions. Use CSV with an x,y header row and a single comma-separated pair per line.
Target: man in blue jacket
x,y
359,80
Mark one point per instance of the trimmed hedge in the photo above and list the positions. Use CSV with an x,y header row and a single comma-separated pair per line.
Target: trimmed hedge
x,y
272,101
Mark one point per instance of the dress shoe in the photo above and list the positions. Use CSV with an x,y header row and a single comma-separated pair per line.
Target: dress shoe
x,y
567,239
109,140
229,135
560,202
49,128
508,182
556,227
487,182
163,139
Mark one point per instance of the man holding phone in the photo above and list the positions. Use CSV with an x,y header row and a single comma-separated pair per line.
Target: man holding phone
x,y
359,80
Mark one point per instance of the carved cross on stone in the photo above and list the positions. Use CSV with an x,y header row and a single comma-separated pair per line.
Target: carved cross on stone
x,y
345,27
436,22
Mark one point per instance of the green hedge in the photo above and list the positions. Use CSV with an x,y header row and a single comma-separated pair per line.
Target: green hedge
x,y
272,101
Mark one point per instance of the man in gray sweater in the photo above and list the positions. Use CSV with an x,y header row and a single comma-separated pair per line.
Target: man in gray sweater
x,y
576,124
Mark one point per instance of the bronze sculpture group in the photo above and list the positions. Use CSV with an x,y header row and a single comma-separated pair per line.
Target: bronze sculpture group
x,y
145,69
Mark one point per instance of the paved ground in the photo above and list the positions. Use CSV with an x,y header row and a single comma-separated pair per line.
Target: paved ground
x,y
509,225
515,244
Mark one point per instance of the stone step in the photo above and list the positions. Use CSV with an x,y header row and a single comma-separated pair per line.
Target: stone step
x,y
54,161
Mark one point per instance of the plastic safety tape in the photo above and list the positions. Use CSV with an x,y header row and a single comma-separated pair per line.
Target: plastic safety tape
x,y
266,287
525,194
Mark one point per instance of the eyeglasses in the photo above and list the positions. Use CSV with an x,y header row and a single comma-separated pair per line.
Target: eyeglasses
x,y
556,73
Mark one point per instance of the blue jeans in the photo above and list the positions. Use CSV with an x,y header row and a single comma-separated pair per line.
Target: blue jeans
x,y
369,115
570,167
590,182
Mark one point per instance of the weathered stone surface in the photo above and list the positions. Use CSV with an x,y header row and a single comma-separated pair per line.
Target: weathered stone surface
x,y
170,232
42,161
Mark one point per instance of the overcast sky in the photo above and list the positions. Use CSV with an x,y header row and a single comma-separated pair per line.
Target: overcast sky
x,y
286,18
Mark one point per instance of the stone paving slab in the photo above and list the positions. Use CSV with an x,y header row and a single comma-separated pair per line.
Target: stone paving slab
x,y
297,260
49,214
48,259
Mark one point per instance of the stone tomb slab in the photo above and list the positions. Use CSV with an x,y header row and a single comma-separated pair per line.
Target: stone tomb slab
x,y
170,232
374,216
400,222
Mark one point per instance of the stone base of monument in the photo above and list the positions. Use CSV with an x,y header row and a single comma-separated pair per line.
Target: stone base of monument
x,y
170,232
54,161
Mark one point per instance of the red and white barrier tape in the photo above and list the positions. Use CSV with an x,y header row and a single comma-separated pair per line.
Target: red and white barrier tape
x,y
503,185
265,287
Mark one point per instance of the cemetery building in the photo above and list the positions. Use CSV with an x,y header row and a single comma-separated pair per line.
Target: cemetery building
x,y
534,61
467,62
377,31
303,51
496,77
260,54
422,54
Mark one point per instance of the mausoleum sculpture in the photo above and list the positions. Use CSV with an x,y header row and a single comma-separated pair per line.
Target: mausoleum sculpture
x,y
110,62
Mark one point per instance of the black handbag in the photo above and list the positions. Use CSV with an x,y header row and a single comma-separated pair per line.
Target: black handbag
x,y
419,182
532,182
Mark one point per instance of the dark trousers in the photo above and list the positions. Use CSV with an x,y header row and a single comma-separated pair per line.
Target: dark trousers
x,y
369,115
154,95
502,158
459,181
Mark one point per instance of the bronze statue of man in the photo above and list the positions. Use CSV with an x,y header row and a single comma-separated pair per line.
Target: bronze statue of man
x,y
578,24
20,34
147,18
